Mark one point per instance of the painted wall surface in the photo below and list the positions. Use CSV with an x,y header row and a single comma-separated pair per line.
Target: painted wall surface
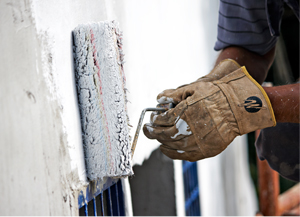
x,y
41,158
163,43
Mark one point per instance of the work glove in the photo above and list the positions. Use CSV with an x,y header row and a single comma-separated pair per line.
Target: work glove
x,y
210,115
177,95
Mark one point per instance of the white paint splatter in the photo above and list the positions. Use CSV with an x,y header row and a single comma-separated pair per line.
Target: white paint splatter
x,y
165,99
180,151
154,118
183,129
163,114
150,129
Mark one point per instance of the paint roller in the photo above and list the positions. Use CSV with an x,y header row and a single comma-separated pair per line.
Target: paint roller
x,y
101,91
100,84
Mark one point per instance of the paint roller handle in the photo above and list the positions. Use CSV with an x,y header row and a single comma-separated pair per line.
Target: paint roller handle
x,y
159,108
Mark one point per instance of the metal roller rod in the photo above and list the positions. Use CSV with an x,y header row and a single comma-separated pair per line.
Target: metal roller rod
x,y
137,132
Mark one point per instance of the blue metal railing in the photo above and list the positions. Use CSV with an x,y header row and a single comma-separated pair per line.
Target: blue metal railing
x,y
191,189
109,202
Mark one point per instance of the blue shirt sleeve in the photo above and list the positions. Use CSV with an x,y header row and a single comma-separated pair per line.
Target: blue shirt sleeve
x,y
244,23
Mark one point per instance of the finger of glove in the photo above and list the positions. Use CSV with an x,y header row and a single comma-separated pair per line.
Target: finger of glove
x,y
171,96
168,118
187,143
177,154
173,133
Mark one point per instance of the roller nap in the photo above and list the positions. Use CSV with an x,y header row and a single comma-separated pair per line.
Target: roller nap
x,y
100,83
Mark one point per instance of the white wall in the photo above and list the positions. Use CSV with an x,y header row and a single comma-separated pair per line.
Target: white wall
x,y
163,46
41,158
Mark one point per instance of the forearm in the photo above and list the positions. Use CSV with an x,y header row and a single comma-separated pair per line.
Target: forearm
x,y
257,65
285,102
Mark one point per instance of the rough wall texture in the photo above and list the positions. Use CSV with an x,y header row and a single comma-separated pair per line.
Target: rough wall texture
x,y
34,161
41,157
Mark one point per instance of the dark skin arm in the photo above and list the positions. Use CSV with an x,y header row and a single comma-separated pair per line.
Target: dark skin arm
x,y
284,99
257,65
285,102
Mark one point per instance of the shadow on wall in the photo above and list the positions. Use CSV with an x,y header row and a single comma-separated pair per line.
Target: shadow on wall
x,y
153,187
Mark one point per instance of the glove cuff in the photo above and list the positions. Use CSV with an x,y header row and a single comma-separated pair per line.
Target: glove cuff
x,y
264,94
248,101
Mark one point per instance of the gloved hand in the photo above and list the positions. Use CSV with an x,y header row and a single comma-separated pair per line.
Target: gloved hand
x,y
210,115
177,95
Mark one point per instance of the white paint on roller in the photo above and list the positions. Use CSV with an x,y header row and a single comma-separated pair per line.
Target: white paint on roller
x,y
102,100
183,129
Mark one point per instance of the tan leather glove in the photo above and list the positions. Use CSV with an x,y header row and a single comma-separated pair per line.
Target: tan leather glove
x,y
177,95
210,116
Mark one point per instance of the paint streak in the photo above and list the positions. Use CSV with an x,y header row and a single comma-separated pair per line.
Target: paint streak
x,y
100,92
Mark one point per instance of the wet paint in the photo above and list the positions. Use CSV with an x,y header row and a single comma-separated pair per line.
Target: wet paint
x,y
183,129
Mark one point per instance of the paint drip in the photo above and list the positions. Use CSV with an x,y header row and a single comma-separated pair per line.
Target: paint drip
x,y
100,83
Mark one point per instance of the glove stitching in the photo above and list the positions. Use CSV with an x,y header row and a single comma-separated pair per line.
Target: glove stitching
x,y
200,149
181,114
231,105
228,78
225,118
189,103
215,125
